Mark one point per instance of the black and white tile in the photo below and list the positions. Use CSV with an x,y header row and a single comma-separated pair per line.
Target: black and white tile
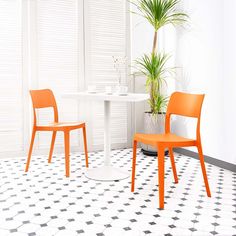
x,y
45,202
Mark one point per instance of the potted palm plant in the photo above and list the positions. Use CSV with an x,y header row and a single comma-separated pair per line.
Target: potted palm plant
x,y
158,13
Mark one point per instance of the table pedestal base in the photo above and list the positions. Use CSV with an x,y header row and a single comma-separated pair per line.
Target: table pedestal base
x,y
106,173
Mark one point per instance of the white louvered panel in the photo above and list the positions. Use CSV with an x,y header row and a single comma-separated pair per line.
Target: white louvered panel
x,y
11,108
57,35
105,36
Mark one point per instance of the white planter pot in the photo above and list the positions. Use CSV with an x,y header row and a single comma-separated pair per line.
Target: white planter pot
x,y
153,124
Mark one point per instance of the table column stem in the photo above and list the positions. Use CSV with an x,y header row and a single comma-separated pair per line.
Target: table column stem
x,y
107,134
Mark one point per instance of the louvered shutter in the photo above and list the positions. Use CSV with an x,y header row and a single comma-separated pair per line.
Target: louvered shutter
x,y
11,103
105,36
57,60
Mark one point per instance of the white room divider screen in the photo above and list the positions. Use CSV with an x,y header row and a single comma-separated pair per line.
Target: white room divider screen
x,y
57,35
67,45
11,104
106,37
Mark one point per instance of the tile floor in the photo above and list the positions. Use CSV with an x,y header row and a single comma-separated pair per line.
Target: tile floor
x,y
44,202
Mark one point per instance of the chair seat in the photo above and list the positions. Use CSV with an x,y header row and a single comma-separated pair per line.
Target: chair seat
x,y
169,139
61,126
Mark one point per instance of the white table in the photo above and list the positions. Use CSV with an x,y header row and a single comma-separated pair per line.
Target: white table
x,y
107,172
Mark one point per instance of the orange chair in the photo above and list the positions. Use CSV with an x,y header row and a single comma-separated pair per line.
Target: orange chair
x,y
45,98
180,104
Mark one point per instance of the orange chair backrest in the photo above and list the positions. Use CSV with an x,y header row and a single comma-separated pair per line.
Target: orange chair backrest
x,y
184,104
44,98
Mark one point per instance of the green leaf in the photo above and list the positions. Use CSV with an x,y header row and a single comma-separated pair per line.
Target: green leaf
x,y
153,67
160,12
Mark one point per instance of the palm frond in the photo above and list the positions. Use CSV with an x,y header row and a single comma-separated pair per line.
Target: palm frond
x,y
160,12
153,66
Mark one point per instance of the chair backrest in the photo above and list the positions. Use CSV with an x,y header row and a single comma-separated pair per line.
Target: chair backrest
x,y
44,98
185,104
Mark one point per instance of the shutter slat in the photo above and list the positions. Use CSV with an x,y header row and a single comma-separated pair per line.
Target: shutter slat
x,y
11,104
106,37
58,61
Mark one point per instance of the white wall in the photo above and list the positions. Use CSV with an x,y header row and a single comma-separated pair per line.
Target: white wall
x,y
205,53
228,82
141,35
141,42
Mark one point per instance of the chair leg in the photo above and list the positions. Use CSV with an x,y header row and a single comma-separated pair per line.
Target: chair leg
x,y
30,150
173,165
161,175
52,146
67,152
133,165
85,146
201,157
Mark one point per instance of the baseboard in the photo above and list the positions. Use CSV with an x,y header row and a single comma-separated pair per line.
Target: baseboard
x,y
208,159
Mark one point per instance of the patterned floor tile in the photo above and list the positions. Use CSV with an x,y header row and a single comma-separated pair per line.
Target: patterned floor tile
x,y
44,202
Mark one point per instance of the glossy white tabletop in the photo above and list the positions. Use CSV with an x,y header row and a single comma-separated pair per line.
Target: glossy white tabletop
x,y
129,97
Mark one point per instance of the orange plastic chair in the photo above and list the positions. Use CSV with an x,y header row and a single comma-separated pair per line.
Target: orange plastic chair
x,y
183,104
45,98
